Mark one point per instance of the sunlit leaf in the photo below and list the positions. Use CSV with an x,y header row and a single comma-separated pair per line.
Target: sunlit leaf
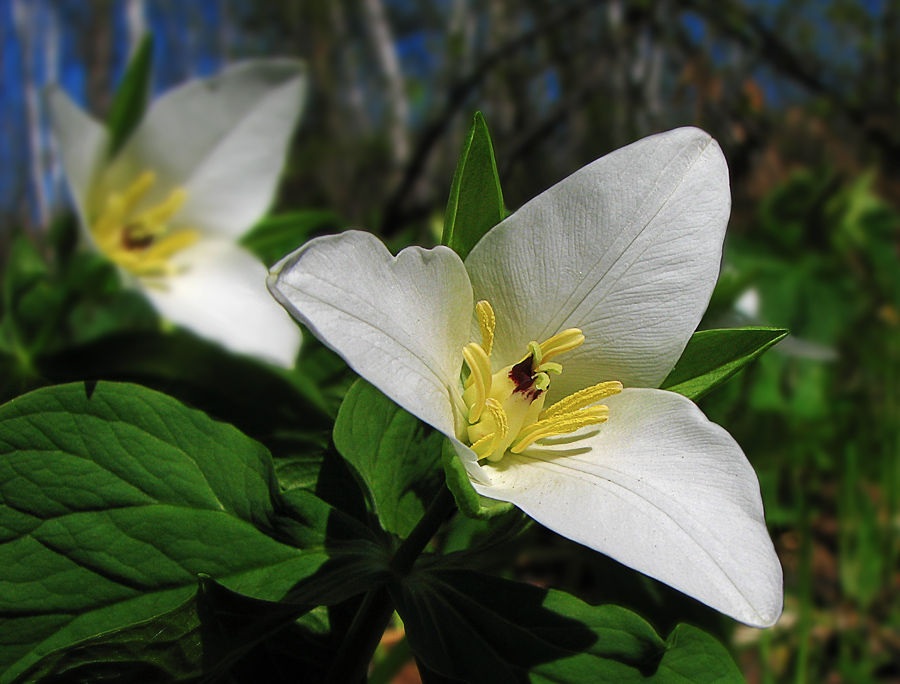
x,y
114,498
476,201
395,454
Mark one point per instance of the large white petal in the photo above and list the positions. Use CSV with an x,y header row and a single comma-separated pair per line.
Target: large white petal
x,y
400,322
663,490
83,143
220,294
627,249
222,139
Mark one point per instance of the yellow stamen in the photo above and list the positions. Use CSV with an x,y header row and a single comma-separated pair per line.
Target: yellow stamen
x,y
483,446
535,352
155,218
505,409
561,343
560,425
487,322
582,398
488,444
138,242
480,376
167,247
135,192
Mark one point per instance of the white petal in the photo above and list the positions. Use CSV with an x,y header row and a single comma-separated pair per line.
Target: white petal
x,y
627,249
222,139
221,295
400,322
82,142
662,490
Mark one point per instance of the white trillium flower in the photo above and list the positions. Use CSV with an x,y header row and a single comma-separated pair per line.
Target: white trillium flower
x,y
198,171
595,285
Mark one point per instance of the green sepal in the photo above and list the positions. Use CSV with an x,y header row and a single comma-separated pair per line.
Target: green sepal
x,y
713,356
476,200
130,101
469,502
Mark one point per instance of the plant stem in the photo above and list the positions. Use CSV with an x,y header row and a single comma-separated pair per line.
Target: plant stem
x,y
375,612
362,639
405,556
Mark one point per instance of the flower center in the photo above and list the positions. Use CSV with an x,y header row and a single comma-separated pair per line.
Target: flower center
x,y
506,409
141,242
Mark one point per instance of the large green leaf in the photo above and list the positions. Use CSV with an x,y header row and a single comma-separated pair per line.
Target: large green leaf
x,y
199,639
478,628
112,501
713,356
476,201
130,101
396,455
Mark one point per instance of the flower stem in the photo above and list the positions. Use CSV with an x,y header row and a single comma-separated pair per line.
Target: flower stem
x,y
405,556
362,639
375,612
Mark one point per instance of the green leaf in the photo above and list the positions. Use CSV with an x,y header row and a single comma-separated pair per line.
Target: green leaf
x,y
477,628
713,356
111,504
277,236
396,455
29,312
130,101
202,637
476,201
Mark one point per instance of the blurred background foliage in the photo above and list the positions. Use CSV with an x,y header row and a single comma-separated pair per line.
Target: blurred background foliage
x,y
803,96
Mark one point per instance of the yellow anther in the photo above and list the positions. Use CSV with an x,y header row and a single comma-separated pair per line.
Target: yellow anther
x,y
483,446
488,435
502,425
561,343
479,382
560,425
582,398
487,322
155,217
135,192
167,247
138,242
504,409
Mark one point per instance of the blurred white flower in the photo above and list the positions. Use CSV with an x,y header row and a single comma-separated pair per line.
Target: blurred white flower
x,y
199,170
595,285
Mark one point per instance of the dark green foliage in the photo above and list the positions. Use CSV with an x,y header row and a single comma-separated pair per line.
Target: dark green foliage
x,y
496,631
